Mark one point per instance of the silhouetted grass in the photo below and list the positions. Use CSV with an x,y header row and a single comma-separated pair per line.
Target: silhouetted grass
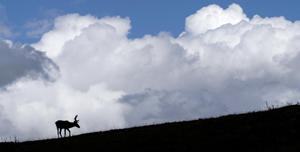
x,y
273,130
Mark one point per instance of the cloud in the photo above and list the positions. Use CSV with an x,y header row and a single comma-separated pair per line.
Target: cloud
x,y
17,62
212,17
70,26
38,27
31,108
5,31
224,62
153,106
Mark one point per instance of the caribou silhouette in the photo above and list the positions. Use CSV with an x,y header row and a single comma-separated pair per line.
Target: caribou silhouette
x,y
66,125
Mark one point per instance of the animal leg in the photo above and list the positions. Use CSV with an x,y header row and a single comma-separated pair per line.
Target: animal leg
x,y
57,132
60,132
69,132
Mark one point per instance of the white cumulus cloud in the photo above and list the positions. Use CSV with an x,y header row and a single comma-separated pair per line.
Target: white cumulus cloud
x,y
212,17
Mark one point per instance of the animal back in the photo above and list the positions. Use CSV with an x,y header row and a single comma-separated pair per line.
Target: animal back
x,y
63,124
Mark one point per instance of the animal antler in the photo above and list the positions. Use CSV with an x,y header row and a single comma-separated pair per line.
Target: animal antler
x,y
76,118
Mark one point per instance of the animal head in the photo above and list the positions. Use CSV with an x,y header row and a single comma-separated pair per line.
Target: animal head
x,y
76,122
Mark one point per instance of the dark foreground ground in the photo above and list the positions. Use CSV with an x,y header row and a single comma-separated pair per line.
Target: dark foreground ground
x,y
272,130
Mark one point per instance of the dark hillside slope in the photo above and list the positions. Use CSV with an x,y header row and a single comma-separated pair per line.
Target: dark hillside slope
x,y
272,130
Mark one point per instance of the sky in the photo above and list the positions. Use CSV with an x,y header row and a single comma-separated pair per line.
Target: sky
x,y
120,64
148,17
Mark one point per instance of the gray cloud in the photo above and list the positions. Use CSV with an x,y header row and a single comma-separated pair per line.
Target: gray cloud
x,y
6,125
18,62
153,106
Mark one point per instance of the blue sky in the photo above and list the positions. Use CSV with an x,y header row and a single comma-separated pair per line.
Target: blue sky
x,y
147,17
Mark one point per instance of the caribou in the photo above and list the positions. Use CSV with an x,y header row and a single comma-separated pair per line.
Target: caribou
x,y
66,125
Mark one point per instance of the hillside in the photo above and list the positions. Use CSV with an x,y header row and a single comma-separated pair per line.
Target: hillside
x,y
272,130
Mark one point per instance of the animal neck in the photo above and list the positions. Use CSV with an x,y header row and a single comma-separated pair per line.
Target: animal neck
x,y
72,124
